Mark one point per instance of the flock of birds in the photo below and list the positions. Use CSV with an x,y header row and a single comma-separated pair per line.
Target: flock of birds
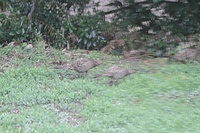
x,y
85,64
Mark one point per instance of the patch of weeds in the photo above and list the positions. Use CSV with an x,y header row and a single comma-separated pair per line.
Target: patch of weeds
x,y
136,104
16,56
38,93
37,99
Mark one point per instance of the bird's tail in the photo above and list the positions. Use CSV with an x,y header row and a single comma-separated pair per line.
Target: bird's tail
x,y
66,66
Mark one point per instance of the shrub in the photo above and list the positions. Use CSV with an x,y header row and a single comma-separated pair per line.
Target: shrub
x,y
89,32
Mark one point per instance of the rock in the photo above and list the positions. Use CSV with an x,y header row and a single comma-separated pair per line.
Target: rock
x,y
116,72
28,47
187,54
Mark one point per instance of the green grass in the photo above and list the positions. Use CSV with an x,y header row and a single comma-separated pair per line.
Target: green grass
x,y
35,99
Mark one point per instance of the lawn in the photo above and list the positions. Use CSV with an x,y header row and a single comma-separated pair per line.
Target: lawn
x,y
35,97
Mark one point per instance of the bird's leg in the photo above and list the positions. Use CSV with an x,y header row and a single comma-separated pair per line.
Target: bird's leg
x,y
85,74
113,82
110,83
116,82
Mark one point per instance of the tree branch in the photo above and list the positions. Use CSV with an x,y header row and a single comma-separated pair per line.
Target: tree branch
x,y
30,15
124,8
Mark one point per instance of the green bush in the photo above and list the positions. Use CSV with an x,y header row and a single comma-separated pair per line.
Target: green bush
x,y
176,16
88,30
50,20
15,27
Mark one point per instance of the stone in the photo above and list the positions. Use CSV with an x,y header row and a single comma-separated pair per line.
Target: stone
x,y
28,47
187,54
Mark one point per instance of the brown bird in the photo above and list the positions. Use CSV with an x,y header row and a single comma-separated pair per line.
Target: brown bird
x,y
116,72
81,65
84,64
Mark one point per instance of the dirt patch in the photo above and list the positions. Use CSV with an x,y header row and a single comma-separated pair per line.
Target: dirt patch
x,y
69,115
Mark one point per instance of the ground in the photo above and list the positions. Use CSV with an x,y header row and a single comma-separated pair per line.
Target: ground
x,y
160,96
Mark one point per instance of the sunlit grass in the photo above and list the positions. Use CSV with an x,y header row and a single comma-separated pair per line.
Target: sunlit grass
x,y
36,99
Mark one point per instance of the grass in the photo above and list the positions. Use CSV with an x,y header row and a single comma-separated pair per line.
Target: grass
x,y
34,97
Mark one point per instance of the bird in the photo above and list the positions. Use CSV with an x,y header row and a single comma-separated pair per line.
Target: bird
x,y
84,64
116,72
81,65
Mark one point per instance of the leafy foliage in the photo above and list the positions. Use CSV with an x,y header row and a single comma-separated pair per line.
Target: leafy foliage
x,y
46,19
14,27
176,16
89,32
185,15
52,20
